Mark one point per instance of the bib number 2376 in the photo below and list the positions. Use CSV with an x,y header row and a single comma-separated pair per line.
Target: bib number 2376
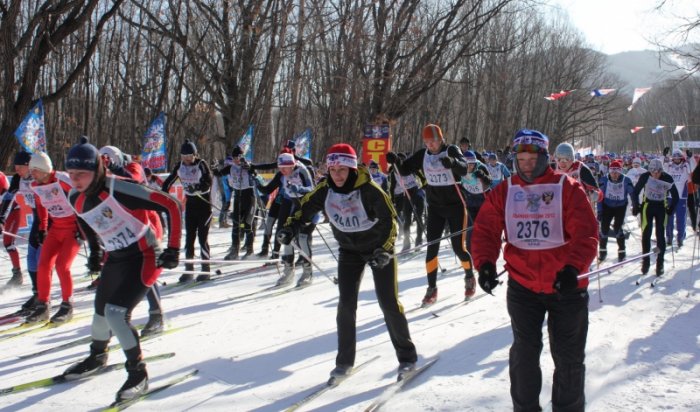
x,y
533,229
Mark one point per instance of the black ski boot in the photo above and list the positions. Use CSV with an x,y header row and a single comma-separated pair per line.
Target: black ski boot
x,y
86,367
603,253
405,368
40,314
154,325
187,277
16,279
136,383
645,265
621,255
28,306
64,314
265,246
659,268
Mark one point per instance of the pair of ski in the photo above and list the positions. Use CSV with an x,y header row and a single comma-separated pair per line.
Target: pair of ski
x,y
653,283
217,275
404,379
268,292
24,329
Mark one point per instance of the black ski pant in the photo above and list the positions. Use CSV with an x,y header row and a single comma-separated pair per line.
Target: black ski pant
x,y
197,221
408,208
616,216
653,215
567,326
455,218
244,206
351,267
692,210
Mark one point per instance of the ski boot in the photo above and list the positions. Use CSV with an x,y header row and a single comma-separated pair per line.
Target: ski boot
x,y
136,382
249,252
28,306
405,368
16,279
232,254
203,277
603,253
621,255
430,297
64,314
659,268
154,325
40,314
86,367
645,266
287,275
469,285
265,246
339,372
306,276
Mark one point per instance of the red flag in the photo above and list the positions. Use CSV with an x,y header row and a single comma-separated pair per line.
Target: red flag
x,y
557,96
636,129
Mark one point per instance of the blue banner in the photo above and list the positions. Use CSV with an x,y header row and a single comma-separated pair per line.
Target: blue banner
x,y
246,144
31,133
302,144
154,155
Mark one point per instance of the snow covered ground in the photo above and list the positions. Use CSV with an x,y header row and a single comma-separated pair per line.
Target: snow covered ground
x,y
260,353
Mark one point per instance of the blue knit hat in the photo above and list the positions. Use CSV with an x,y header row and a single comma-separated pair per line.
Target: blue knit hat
x,y
83,156
470,156
22,158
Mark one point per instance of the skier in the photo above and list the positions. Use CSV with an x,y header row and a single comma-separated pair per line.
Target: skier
x,y
293,181
114,215
580,171
541,214
242,182
443,165
617,188
195,176
680,171
59,241
20,184
408,199
362,220
497,170
657,185
476,183
378,177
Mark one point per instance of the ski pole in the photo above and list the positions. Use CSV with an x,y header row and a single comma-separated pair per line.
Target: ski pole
x,y
303,254
224,262
14,236
608,269
326,243
432,242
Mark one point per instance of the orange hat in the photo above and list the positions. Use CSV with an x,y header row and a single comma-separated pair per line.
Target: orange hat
x,y
432,132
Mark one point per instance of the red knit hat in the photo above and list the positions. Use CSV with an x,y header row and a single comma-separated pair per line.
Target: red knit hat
x,y
615,166
341,154
432,132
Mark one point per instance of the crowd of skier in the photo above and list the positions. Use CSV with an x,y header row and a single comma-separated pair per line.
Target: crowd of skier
x,y
524,200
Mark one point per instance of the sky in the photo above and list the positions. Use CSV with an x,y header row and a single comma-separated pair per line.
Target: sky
x,y
613,26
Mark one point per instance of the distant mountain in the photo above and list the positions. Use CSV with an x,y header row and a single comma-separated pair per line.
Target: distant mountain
x,y
644,68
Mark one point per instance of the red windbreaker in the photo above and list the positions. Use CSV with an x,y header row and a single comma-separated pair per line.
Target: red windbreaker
x,y
536,269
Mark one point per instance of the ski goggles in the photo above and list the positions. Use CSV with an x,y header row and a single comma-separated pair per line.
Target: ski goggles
x,y
528,148
615,170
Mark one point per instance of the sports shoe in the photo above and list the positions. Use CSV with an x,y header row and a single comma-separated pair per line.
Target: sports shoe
x,y
645,266
16,279
469,286
602,255
404,368
306,276
621,255
659,268
341,371
154,325
64,314
40,314
136,383
203,277
86,367
185,277
430,297
287,275
232,255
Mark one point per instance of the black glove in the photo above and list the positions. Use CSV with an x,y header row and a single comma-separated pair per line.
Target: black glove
x,y
41,236
2,227
488,280
192,188
669,210
636,210
169,258
392,158
567,279
236,151
447,162
688,153
379,259
94,262
667,150
286,235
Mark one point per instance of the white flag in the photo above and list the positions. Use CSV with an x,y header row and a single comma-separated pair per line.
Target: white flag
x,y
638,93
678,129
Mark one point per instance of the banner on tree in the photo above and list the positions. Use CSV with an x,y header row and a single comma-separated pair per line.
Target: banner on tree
x,y
376,143
246,144
686,145
153,154
302,144
31,133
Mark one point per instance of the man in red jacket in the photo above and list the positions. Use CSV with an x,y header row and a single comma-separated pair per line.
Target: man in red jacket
x,y
550,240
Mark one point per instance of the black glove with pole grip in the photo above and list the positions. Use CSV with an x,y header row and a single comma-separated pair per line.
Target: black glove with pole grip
x,y
447,162
567,279
169,258
488,279
392,158
288,233
379,259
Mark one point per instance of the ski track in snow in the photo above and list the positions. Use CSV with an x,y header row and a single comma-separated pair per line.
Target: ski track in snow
x,y
265,353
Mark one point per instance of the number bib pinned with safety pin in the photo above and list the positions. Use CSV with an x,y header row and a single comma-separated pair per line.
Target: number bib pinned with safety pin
x,y
534,218
116,227
53,198
435,173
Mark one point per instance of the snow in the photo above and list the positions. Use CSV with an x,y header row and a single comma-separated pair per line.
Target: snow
x,y
264,354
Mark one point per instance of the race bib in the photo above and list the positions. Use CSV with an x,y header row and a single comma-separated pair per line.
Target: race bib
x,y
534,218
615,191
656,189
117,228
435,172
347,213
54,199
